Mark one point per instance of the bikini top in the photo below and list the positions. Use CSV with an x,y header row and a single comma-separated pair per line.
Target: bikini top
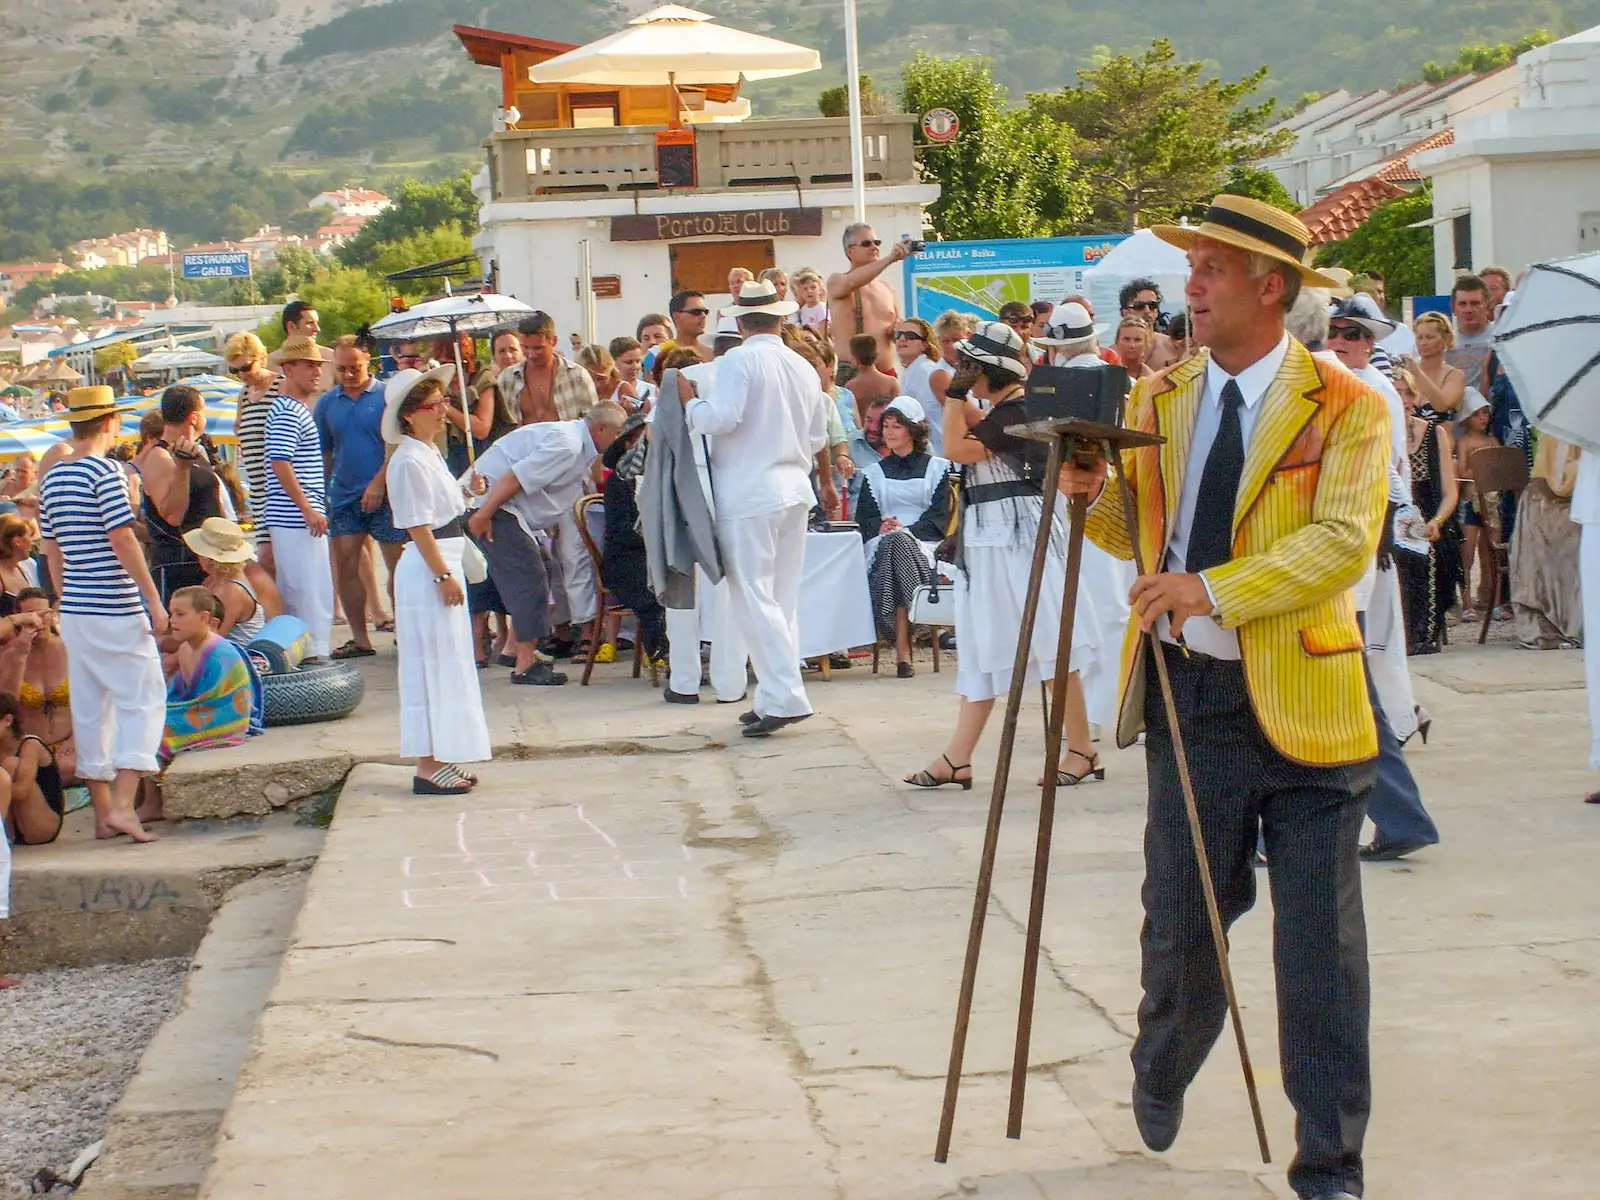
x,y
34,698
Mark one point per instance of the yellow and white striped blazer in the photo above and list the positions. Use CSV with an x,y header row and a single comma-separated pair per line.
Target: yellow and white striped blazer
x,y
1305,528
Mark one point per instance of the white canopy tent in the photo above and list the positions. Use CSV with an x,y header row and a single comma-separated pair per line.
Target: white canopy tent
x,y
1142,256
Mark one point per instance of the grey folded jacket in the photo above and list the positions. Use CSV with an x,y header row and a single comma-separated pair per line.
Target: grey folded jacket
x,y
679,533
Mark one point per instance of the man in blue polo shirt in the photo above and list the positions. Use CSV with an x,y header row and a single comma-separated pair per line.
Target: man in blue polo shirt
x,y
349,422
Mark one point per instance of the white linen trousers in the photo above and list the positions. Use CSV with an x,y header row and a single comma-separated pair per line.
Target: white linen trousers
x,y
119,698
764,558
305,577
711,620
441,705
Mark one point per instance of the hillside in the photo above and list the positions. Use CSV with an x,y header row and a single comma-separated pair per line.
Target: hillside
x,y
91,85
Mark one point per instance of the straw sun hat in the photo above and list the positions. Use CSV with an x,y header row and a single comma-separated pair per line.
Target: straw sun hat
x,y
401,384
1251,225
220,540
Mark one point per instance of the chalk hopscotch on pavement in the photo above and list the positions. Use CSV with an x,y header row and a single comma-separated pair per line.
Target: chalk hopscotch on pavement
x,y
531,855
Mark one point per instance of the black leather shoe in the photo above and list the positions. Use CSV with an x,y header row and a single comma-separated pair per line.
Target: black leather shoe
x,y
737,700
672,697
539,675
765,725
904,670
1158,1120
749,718
1378,851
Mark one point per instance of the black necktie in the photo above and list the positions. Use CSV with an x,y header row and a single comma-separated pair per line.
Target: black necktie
x,y
1211,535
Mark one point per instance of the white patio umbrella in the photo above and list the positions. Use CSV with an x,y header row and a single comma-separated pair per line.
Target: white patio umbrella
x,y
676,45
1548,340
474,312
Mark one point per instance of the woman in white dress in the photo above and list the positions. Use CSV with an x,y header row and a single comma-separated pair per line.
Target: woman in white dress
x,y
441,708
1002,492
903,512
923,374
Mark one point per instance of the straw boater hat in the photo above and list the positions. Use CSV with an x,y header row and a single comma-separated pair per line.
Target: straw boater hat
x,y
1069,323
87,403
998,345
760,296
297,349
1254,226
220,540
400,385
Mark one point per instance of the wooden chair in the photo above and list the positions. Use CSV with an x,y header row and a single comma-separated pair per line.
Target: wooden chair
x,y
589,511
1496,469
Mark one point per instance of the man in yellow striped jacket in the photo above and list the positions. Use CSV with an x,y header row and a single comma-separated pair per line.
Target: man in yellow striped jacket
x,y
1254,518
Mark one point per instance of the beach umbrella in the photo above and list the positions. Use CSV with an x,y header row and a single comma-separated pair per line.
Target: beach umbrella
x,y
215,389
474,313
1548,340
677,45
29,437
15,391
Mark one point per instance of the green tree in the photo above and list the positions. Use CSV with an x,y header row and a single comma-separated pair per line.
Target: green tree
x,y
298,267
1005,175
112,358
345,299
1480,59
82,311
417,250
835,101
1387,243
1261,185
1154,135
418,208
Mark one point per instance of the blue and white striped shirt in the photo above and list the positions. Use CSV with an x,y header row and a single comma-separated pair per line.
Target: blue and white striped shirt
x,y
292,438
80,502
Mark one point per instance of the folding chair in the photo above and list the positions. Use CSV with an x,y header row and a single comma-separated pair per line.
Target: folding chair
x,y
590,513
1496,469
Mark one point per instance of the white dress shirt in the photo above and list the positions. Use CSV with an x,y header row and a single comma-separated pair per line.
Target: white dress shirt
x,y
1203,633
764,414
1399,459
551,460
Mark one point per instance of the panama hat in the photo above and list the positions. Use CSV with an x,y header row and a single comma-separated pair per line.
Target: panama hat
x,y
400,385
910,408
1342,278
297,349
1069,323
760,296
998,345
1251,225
220,540
1363,310
88,403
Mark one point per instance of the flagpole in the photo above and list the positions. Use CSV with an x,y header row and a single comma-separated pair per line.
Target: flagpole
x,y
852,60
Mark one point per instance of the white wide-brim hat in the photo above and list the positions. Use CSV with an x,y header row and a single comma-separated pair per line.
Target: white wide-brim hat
x,y
995,343
760,296
1069,323
400,385
1361,309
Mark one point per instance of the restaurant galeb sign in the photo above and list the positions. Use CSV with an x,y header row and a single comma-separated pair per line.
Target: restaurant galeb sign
x,y
747,223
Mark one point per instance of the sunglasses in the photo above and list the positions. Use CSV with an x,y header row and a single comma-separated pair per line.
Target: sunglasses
x,y
1019,322
907,335
239,370
352,370
696,312
1145,306
869,242
1348,333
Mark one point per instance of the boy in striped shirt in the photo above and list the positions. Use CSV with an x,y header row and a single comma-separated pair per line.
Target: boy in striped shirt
x,y
111,614
296,503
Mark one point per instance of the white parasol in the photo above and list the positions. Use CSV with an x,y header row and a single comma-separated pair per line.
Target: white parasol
x,y
1548,340
676,45
473,312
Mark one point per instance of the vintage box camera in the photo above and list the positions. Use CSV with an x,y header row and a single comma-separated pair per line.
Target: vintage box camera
x,y
1088,393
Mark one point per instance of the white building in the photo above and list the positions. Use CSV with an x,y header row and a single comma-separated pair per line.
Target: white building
x,y
1521,184
351,202
1341,139
587,217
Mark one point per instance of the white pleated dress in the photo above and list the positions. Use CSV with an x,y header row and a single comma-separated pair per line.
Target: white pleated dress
x,y
441,706
997,545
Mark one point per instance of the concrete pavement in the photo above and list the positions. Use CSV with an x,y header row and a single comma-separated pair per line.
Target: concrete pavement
x,y
709,967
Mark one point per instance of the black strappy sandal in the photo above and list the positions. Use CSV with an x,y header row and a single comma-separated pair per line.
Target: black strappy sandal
x,y
1095,771
927,779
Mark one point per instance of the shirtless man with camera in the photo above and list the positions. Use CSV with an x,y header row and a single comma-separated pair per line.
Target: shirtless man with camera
x,y
859,301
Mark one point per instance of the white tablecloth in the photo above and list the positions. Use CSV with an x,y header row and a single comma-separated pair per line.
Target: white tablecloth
x,y
835,606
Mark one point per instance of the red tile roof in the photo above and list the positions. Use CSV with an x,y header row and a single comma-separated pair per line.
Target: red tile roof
x,y
1398,169
1339,214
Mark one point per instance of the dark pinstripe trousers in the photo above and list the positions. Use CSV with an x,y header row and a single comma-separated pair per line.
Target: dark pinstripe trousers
x,y
1310,818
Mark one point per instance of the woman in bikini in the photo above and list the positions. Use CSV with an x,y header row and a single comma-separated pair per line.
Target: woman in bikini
x,y
34,669
247,594
33,805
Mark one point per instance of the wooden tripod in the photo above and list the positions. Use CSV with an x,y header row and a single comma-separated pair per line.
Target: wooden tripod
x,y
1082,440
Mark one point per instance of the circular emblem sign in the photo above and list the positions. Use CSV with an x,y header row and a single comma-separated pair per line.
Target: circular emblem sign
x,y
940,125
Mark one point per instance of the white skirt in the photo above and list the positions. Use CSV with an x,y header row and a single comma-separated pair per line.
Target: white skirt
x,y
989,601
441,706
1106,581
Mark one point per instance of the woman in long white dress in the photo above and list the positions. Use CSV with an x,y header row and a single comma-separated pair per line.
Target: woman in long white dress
x,y
441,708
1002,499
923,375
